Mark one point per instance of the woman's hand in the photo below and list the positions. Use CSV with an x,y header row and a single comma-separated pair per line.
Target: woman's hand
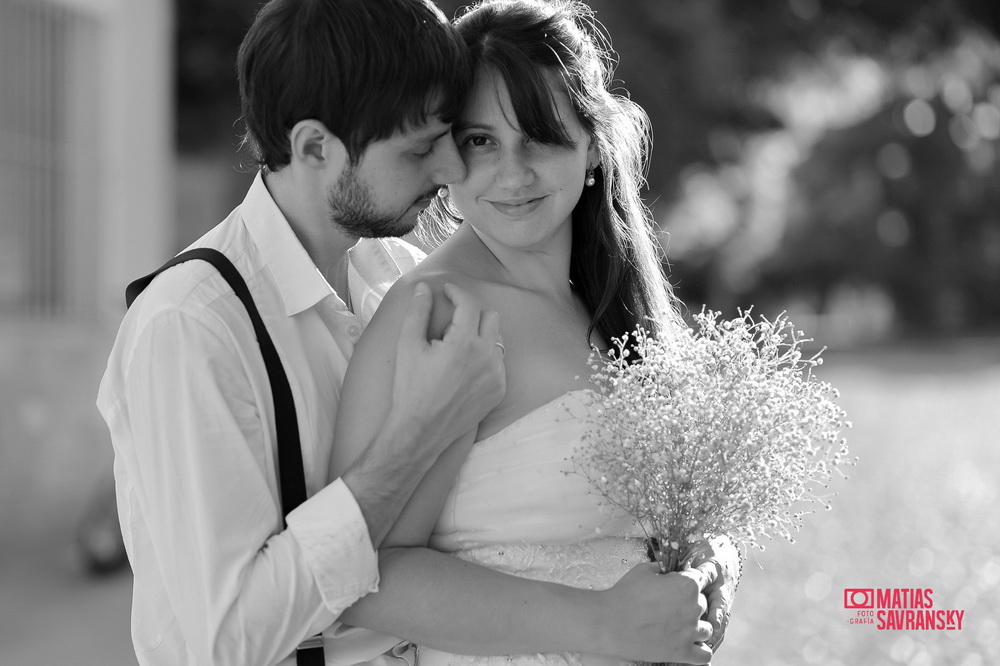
x,y
656,617
721,556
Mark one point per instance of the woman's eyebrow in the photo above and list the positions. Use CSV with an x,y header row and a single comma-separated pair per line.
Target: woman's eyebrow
x,y
463,126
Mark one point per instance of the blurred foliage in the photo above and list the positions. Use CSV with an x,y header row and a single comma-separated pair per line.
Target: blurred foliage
x,y
806,151
208,36
879,175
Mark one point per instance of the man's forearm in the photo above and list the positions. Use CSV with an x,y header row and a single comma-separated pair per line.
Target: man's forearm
x,y
385,475
468,609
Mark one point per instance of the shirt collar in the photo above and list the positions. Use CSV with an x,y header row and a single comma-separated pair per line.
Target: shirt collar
x,y
300,283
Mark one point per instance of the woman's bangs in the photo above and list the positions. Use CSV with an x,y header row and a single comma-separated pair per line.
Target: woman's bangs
x,y
534,104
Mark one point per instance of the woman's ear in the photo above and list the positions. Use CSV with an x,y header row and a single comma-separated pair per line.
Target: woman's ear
x,y
313,145
593,153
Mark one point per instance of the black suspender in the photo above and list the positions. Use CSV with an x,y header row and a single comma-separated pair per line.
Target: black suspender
x,y
291,474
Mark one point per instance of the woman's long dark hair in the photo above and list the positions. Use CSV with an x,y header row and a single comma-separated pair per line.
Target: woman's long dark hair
x,y
615,265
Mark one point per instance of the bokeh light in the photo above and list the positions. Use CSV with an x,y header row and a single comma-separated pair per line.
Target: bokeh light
x,y
893,161
987,118
893,228
919,117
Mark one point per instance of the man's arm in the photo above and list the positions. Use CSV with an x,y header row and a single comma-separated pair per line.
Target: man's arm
x,y
241,591
203,492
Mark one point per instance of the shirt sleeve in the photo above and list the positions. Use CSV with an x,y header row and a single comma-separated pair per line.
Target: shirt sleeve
x,y
335,542
243,590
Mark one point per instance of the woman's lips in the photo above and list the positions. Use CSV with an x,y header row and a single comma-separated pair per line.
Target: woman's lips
x,y
518,207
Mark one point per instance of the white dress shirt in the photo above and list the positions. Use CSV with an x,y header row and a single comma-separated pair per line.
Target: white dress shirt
x,y
187,399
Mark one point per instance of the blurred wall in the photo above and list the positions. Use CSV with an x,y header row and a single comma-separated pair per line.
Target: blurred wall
x,y
86,203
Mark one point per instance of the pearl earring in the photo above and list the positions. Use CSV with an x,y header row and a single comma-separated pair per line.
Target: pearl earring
x,y
443,191
590,177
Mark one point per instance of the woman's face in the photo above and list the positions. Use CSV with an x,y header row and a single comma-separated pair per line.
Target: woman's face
x,y
517,191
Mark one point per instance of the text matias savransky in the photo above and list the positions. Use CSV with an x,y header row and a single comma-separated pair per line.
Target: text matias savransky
x,y
907,609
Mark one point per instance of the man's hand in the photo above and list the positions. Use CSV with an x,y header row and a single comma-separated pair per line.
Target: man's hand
x,y
447,386
656,617
722,558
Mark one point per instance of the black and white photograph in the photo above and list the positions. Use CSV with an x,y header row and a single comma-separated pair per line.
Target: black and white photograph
x,y
499,332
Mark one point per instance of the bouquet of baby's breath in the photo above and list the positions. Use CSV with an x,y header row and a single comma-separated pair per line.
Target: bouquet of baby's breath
x,y
720,430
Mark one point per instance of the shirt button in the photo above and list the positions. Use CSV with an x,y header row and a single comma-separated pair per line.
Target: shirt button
x,y
354,331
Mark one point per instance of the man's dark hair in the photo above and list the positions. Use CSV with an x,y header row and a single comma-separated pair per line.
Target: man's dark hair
x,y
364,68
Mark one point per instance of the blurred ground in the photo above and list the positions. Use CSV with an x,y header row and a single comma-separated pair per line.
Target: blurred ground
x,y
921,510
54,457
50,614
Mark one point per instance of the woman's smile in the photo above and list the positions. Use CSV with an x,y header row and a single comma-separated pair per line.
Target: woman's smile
x,y
517,207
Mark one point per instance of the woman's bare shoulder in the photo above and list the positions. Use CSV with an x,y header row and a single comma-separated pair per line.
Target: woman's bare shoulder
x,y
436,271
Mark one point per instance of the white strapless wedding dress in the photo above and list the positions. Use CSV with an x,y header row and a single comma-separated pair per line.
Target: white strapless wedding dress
x,y
518,507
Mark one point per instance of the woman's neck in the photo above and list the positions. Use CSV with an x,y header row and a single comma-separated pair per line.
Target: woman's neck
x,y
540,269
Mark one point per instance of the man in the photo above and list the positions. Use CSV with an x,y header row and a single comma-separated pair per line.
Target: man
x,y
348,106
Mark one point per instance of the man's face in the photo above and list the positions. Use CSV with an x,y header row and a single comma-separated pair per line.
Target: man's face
x,y
395,179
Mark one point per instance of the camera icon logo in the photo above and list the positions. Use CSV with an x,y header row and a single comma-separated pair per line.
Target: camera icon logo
x,y
859,598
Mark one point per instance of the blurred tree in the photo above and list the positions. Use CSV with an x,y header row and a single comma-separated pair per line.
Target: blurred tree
x,y
928,236
208,36
915,215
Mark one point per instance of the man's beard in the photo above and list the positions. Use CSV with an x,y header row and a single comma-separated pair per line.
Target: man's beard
x,y
353,209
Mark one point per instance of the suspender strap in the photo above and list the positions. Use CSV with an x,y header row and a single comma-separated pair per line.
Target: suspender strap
x,y
291,474
310,652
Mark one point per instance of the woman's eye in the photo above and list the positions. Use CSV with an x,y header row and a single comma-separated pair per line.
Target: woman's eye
x,y
477,141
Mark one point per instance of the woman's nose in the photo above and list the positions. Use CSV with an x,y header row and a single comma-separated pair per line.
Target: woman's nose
x,y
514,169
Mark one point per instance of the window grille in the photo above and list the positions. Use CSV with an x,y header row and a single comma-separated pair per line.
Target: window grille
x,y
49,101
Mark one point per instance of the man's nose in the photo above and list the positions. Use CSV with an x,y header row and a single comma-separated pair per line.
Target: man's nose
x,y
451,167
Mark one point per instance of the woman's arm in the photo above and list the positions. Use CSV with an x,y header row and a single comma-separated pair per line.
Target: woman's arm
x,y
448,604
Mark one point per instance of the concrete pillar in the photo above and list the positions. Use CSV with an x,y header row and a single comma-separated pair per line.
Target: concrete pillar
x,y
135,147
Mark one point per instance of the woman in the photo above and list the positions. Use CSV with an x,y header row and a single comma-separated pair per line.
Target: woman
x,y
550,232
